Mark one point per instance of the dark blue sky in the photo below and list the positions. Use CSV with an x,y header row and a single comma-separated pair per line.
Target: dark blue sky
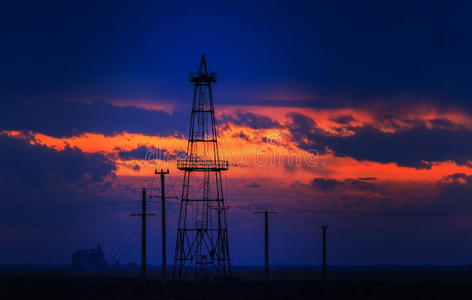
x,y
340,50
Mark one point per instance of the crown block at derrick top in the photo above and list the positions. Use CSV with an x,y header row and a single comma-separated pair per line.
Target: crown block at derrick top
x,y
202,165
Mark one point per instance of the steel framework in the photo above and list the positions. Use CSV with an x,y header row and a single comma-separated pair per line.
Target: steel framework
x,y
202,247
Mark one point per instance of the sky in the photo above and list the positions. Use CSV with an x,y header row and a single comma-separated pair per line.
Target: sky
x,y
356,115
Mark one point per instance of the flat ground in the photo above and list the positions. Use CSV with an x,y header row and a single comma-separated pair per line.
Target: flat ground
x,y
295,286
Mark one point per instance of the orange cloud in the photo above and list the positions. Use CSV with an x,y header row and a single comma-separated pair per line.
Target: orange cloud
x,y
268,153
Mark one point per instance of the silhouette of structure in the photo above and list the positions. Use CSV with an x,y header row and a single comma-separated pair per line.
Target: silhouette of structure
x,y
324,228
163,220
202,246
143,215
88,260
266,240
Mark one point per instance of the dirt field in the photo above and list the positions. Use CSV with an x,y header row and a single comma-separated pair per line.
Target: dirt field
x,y
338,286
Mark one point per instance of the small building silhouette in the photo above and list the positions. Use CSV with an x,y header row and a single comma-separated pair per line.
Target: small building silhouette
x,y
88,260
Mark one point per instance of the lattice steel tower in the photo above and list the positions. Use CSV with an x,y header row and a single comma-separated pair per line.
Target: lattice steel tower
x,y
202,248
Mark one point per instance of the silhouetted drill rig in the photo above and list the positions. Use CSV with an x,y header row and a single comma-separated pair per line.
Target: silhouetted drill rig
x,y
202,247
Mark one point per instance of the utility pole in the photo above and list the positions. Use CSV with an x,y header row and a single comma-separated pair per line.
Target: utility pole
x,y
324,228
143,215
163,227
266,240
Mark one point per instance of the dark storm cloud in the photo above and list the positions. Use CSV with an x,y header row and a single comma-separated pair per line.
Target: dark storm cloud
x,y
331,185
28,167
65,119
306,133
325,185
451,197
343,119
146,153
241,135
443,123
363,185
417,146
367,178
251,120
456,189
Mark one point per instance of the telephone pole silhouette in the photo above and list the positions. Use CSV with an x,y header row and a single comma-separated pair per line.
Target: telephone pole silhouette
x,y
266,240
324,229
163,217
202,235
143,215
